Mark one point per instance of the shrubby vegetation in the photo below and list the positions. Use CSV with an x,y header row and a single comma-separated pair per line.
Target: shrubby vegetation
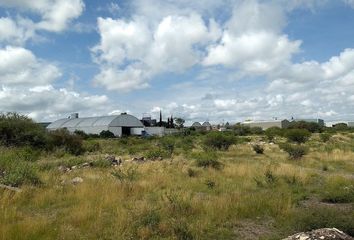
x,y
298,135
295,151
218,141
201,189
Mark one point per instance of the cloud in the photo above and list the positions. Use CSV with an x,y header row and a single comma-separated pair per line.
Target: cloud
x,y
251,40
54,16
15,32
349,2
19,66
48,103
132,52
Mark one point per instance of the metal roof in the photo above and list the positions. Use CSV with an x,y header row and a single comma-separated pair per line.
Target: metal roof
x,y
196,124
206,124
123,120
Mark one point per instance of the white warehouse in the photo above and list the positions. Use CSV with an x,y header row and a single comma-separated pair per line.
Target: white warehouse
x,y
119,125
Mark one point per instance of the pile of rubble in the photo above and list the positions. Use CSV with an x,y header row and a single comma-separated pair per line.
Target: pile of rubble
x,y
321,234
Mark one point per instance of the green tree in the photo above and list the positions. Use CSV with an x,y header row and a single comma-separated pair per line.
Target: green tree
x,y
179,122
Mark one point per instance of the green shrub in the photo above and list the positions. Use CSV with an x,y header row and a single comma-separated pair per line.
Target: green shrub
x,y
207,159
309,126
191,172
62,138
15,171
317,217
21,174
155,154
325,137
150,219
241,130
210,184
295,151
92,146
256,130
18,130
126,174
297,135
338,190
82,134
218,141
272,132
168,144
259,149
106,134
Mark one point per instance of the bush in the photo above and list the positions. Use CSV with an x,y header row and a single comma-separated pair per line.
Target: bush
x,y
21,174
92,146
272,132
256,130
207,159
129,174
258,148
242,130
155,154
106,134
295,151
309,126
325,137
298,135
168,144
62,138
82,134
16,171
218,141
18,130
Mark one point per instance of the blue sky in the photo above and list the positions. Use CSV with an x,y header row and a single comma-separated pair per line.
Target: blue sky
x,y
226,60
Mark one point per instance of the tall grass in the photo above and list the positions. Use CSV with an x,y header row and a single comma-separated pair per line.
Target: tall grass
x,y
162,200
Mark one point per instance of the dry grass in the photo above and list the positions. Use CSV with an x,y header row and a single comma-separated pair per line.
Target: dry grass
x,y
164,202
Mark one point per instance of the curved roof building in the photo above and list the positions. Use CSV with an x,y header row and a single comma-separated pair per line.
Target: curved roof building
x,y
196,124
206,124
119,125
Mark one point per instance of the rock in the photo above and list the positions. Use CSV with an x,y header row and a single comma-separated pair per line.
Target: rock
x,y
110,158
73,167
62,169
138,159
323,234
86,164
77,180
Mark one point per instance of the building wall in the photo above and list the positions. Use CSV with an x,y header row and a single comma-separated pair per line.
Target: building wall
x,y
350,124
160,131
266,125
155,131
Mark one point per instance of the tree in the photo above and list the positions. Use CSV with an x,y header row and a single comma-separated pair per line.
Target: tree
x,y
179,122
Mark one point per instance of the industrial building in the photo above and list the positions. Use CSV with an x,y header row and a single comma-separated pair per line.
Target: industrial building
x,y
119,125
196,125
267,124
350,124
207,126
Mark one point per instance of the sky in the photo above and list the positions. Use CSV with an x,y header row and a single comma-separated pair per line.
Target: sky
x,y
205,60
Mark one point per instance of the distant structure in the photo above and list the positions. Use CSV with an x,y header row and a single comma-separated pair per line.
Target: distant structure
x,y
315,120
196,125
350,124
207,126
148,121
120,125
267,124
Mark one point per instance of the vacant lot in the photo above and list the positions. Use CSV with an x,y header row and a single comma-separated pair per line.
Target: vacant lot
x,y
184,188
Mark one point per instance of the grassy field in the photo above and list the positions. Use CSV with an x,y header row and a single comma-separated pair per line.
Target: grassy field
x,y
192,193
